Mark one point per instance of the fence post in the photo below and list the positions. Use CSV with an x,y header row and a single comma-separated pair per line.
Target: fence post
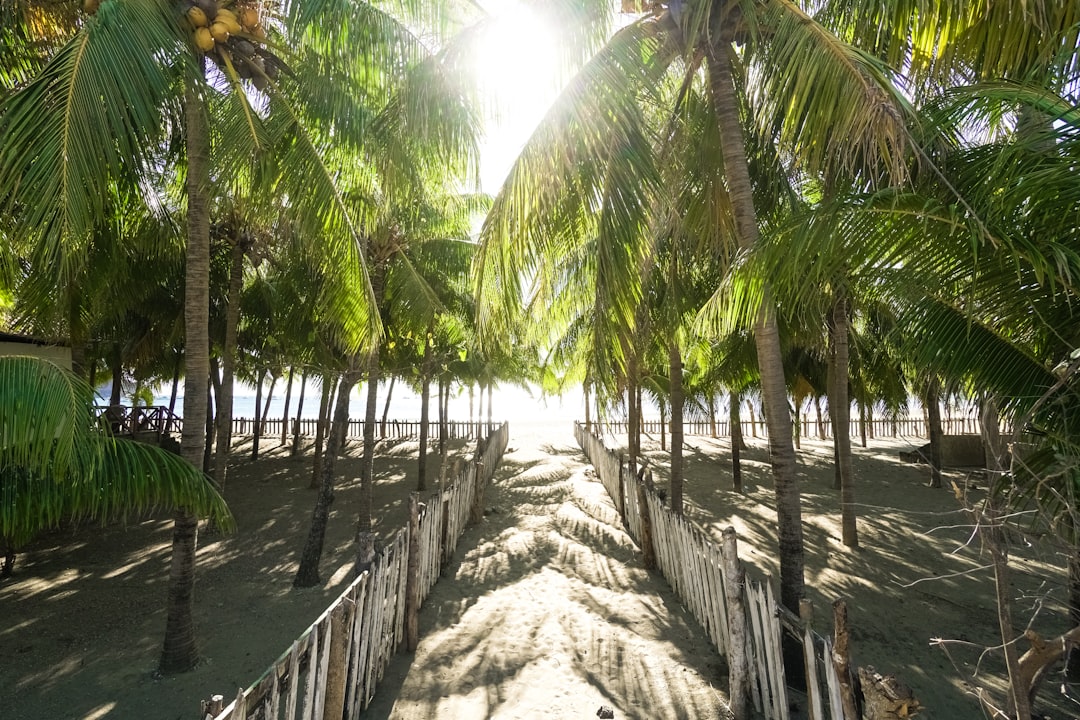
x,y
841,659
622,490
476,512
738,666
647,548
412,576
337,669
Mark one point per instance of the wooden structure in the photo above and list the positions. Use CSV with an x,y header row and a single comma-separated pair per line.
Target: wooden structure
x,y
397,429
138,422
333,667
875,428
741,617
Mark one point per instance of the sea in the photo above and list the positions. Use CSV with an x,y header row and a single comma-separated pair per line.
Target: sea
x,y
522,407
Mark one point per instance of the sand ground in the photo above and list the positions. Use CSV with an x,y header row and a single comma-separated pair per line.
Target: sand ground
x,y
546,611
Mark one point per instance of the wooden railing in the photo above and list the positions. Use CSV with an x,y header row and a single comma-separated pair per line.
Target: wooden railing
x,y
334,666
456,430
703,573
876,428
134,421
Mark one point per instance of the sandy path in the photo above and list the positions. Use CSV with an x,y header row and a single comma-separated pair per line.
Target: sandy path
x,y
547,613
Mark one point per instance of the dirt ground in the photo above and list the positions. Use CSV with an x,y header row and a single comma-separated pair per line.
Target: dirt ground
x,y
82,619
546,612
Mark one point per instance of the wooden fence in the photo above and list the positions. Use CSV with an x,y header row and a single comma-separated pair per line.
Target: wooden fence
x,y
390,429
703,575
334,666
876,428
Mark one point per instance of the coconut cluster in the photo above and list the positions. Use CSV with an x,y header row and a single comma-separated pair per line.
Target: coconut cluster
x,y
232,37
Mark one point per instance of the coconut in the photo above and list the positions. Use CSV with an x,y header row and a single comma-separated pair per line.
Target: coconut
x,y
249,18
197,17
91,6
203,39
219,31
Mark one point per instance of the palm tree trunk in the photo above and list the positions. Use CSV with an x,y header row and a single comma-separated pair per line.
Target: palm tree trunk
x,y
285,412
932,404
862,423
663,426
320,431
675,362
256,429
735,421
175,382
480,404
820,424
588,418
425,415
179,652
299,415
307,574
712,414
766,334
228,364
841,404
444,391
117,367
386,406
490,388
363,522
444,428
266,406
208,444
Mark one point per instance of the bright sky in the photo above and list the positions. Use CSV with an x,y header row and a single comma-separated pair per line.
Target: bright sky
x,y
517,65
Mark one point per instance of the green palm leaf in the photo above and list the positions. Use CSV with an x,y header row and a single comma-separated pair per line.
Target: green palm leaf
x,y
56,464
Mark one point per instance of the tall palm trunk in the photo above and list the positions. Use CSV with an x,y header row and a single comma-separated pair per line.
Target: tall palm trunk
x,y
932,404
841,404
320,431
675,361
425,414
363,521
766,334
299,415
443,390
285,412
208,443
307,574
117,367
256,429
179,652
490,388
735,421
228,364
633,413
588,417
266,403
386,406
177,367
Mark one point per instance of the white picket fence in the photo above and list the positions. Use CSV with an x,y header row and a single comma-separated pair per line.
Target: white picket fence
x,y
694,566
334,666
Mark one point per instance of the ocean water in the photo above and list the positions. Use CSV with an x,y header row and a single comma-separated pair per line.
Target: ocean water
x,y
518,406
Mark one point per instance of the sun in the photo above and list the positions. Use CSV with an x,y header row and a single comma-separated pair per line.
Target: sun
x,y
515,63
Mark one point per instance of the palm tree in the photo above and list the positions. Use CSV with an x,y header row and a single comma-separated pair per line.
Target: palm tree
x,y
312,89
587,147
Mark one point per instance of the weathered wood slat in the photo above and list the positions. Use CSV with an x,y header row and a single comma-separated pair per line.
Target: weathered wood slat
x,y
309,686
832,681
813,687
